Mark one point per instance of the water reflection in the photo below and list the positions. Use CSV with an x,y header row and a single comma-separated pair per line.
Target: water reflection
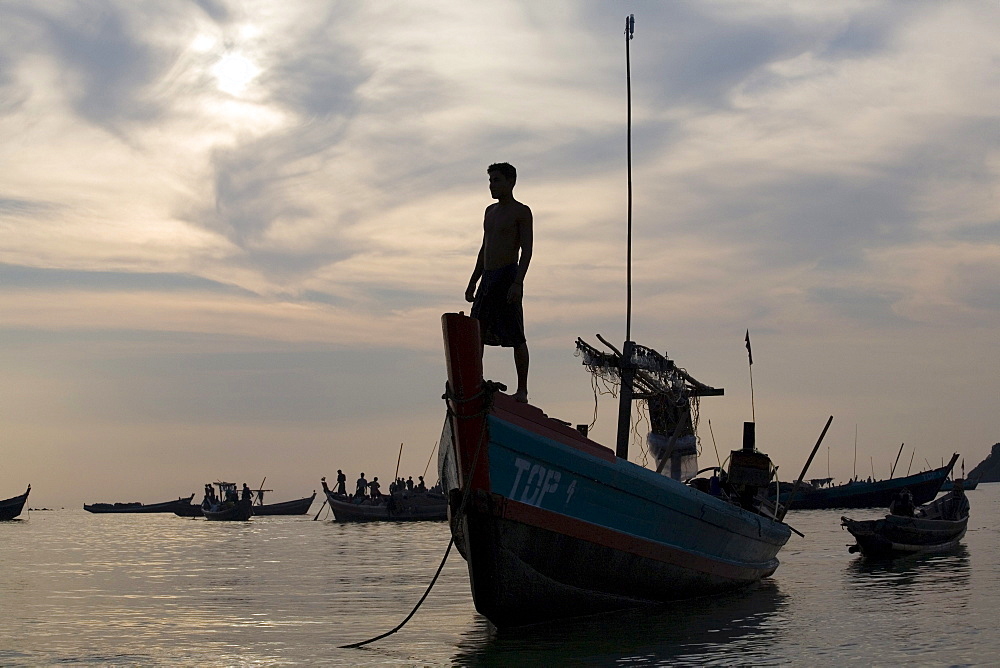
x,y
905,580
739,627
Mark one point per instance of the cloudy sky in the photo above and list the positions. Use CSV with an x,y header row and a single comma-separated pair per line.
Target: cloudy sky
x,y
228,229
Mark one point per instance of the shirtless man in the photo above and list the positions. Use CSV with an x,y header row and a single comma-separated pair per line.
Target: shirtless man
x,y
502,263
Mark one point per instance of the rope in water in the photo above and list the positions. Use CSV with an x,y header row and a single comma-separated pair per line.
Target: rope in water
x,y
488,390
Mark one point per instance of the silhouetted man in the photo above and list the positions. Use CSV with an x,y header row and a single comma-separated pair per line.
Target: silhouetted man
x,y
502,263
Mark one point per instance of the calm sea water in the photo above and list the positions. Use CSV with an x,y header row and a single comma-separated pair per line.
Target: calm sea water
x,y
160,590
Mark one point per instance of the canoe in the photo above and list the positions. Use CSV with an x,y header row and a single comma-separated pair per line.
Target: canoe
x,y
555,525
295,507
403,507
860,494
12,507
136,507
935,527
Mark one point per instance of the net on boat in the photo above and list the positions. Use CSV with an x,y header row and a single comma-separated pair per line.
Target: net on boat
x,y
671,396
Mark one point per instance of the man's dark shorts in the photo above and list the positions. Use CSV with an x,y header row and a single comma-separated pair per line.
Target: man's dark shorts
x,y
501,323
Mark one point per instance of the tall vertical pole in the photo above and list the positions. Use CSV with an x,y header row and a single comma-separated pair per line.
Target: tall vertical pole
x,y
627,369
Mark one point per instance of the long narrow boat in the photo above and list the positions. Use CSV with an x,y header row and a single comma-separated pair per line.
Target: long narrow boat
x,y
295,507
12,507
878,494
554,525
936,527
408,507
136,507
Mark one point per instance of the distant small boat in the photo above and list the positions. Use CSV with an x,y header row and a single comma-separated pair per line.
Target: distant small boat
x,y
12,507
136,507
405,507
296,507
229,506
967,485
936,527
860,494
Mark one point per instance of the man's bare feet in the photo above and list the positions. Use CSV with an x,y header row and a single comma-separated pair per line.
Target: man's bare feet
x,y
521,396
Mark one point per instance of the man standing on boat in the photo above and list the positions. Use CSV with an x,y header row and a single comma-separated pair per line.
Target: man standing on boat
x,y
502,263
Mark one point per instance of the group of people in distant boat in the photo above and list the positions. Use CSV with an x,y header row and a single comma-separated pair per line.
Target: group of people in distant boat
x,y
231,495
373,489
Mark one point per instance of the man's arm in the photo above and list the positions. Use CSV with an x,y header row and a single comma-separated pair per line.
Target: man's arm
x,y
526,241
470,291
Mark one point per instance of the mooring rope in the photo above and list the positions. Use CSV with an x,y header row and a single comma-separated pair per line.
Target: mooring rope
x,y
488,389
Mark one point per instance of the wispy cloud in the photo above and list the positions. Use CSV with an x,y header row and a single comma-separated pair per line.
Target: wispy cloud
x,y
273,203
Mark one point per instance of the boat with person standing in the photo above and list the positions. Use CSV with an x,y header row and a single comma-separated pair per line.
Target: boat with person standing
x,y
554,525
399,506
229,505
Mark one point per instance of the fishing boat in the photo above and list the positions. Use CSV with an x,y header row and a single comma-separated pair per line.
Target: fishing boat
x,y
862,494
295,507
229,505
554,525
136,507
398,507
935,527
12,507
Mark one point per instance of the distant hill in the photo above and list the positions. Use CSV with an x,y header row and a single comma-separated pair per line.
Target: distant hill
x,y
987,470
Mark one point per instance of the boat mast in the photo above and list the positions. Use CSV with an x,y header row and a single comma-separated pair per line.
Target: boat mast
x,y
627,367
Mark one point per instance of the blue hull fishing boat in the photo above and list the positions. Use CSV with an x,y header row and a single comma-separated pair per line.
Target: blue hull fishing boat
x,y
554,525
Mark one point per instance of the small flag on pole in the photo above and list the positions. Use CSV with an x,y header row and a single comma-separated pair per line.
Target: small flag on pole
x,y
749,353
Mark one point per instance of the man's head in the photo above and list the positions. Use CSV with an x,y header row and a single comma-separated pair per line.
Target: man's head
x,y
503,176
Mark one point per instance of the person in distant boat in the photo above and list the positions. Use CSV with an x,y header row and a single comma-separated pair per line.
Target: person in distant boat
x,y
501,264
247,494
373,489
421,487
362,487
341,483
409,484
209,499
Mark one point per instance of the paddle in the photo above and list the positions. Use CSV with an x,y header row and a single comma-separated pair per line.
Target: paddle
x,y
320,509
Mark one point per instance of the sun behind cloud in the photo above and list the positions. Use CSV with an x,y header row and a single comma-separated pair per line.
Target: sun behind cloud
x,y
234,72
